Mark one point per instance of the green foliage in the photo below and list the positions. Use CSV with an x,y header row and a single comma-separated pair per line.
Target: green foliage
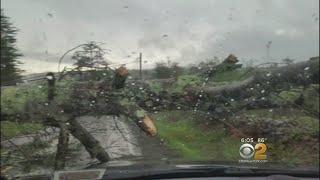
x,y
290,96
9,52
12,129
140,113
91,55
311,97
234,75
167,70
63,91
15,99
155,87
298,125
192,141
185,81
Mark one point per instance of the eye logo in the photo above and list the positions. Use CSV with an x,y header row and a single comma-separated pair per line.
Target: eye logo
x,y
246,151
258,152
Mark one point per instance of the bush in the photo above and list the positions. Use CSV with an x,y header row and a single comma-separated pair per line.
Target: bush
x,y
167,70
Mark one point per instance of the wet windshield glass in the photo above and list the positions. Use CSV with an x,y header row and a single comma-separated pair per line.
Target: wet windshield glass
x,y
89,84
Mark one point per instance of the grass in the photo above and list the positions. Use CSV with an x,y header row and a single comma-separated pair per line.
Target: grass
x,y
12,129
187,134
192,141
15,98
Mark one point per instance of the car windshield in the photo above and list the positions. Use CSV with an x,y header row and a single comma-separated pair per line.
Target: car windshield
x,y
91,84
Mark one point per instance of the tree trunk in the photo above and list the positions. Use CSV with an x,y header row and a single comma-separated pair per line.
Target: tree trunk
x,y
303,73
62,148
90,143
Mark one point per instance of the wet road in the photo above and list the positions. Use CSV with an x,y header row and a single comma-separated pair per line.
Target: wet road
x,y
124,141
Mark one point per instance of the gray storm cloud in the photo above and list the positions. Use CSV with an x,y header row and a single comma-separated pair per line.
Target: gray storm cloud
x,y
185,31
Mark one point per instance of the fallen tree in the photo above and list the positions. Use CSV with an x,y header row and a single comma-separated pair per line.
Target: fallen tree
x,y
87,98
303,73
111,98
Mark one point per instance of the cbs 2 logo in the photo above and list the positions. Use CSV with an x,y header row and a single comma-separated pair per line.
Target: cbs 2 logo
x,y
258,152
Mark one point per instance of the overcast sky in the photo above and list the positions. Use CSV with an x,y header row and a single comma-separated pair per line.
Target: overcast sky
x,y
183,31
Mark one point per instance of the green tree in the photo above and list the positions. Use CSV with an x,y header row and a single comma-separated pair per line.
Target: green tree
x,y
167,70
91,55
10,73
287,60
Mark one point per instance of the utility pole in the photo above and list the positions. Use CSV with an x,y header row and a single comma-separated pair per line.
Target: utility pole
x,y
140,61
268,50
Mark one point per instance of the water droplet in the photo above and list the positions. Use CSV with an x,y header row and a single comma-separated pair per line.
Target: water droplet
x,y
49,77
104,74
67,124
258,85
269,74
199,68
251,89
263,98
140,88
133,84
178,107
263,91
46,104
307,68
39,86
93,101
157,99
270,110
268,82
231,100
200,95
